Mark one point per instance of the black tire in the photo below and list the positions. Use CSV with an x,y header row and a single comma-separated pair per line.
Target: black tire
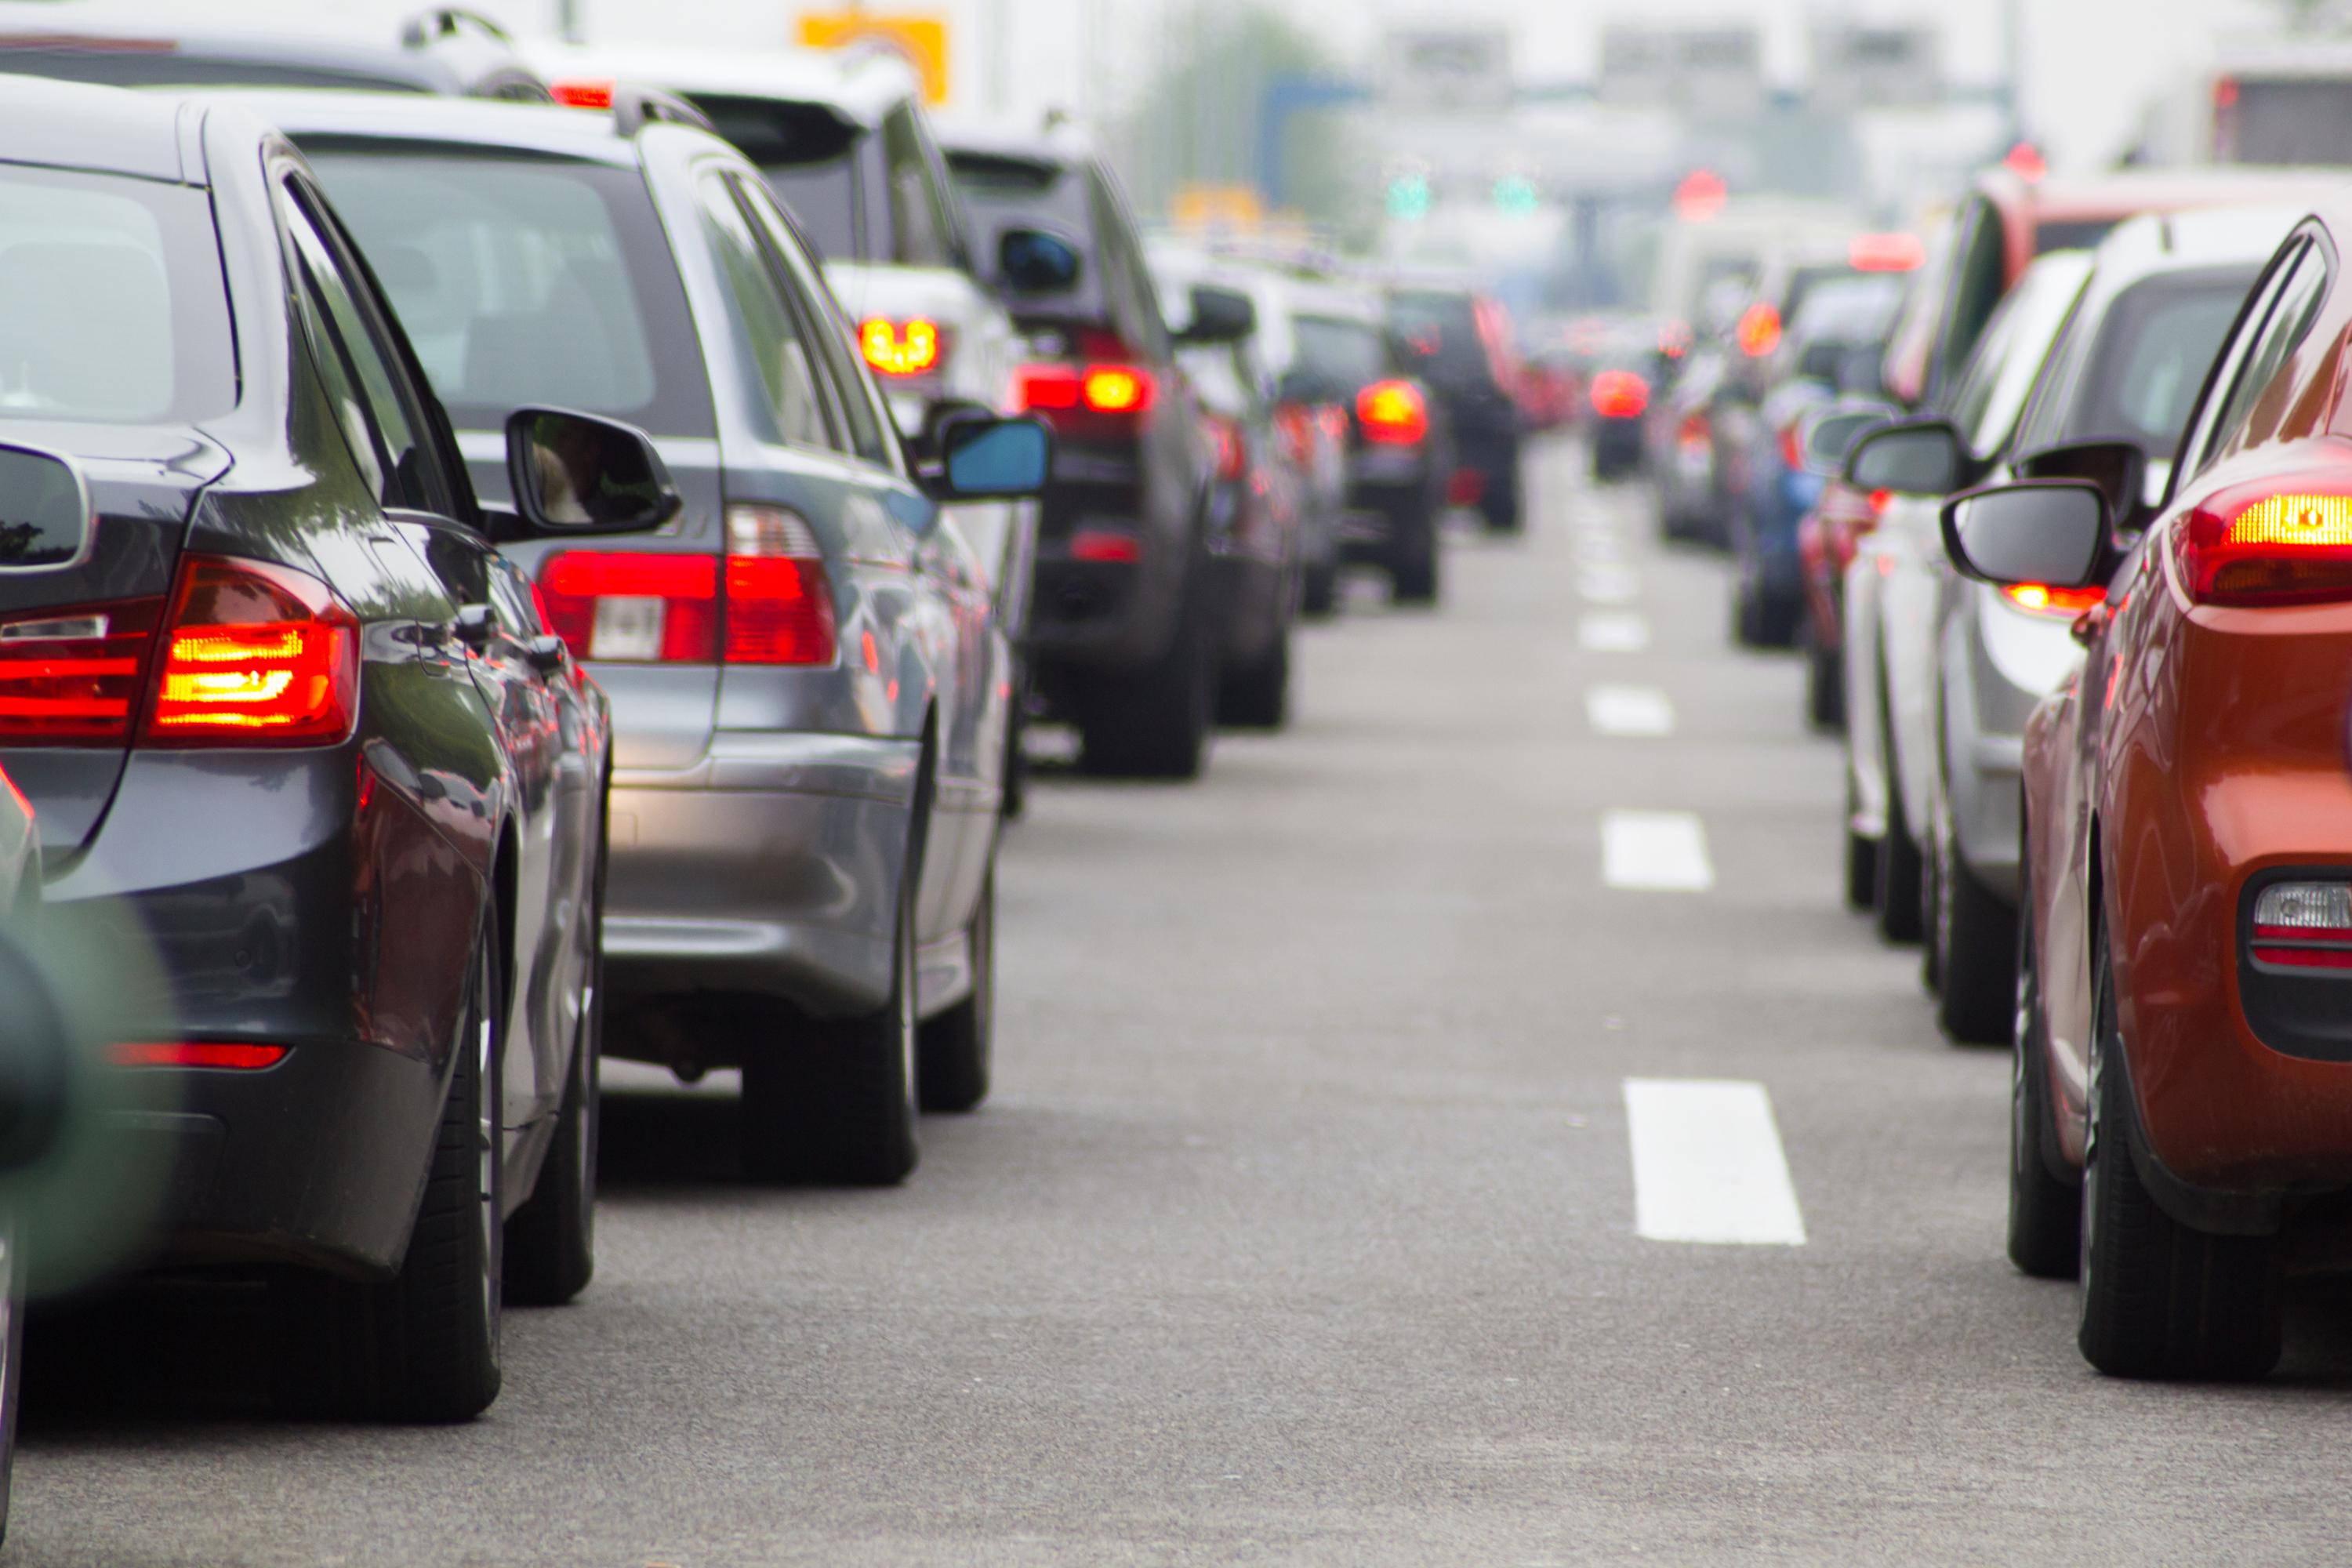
x,y
1931,866
2045,1207
424,1345
12,1360
1320,590
1155,723
1860,859
1895,897
1500,503
1413,562
953,1051
1015,800
834,1103
1257,696
2158,1299
550,1242
1824,679
1975,939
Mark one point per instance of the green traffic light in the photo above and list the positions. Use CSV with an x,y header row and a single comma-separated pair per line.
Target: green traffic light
x,y
1409,198
1515,196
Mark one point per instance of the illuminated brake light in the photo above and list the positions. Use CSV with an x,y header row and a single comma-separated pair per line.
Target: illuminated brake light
x,y
633,606
582,94
2303,925
237,1053
258,654
779,599
1104,389
1619,395
72,675
1392,413
2287,548
2045,599
1110,545
1758,331
902,348
1116,389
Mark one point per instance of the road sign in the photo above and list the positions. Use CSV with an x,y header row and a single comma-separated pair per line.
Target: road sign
x,y
1450,68
922,40
1712,72
1860,67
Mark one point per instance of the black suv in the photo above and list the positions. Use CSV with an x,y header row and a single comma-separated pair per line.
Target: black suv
x,y
1124,626
1457,342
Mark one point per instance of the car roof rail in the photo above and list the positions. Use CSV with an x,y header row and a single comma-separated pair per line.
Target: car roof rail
x,y
448,22
634,108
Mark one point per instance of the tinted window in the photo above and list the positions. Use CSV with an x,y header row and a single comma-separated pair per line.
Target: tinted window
x,y
1004,192
2152,358
2077,234
1440,332
2009,357
809,158
843,370
2285,121
526,280
1342,356
769,348
2298,307
111,306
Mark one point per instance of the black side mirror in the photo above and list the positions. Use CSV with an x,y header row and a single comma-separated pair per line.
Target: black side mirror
x,y
45,522
1912,457
2118,468
580,474
2051,532
1219,316
1032,261
1831,434
986,458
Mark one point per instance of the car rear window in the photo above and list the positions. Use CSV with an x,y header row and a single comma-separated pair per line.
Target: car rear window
x,y
526,280
112,310
1003,190
809,158
1441,331
1341,355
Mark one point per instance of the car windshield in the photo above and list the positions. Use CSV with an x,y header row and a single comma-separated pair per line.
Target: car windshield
x,y
112,305
1341,355
2158,340
809,157
526,280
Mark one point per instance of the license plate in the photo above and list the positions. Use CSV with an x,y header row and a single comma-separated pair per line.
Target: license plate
x,y
627,627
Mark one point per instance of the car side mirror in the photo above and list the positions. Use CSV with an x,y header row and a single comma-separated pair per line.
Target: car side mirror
x,y
2051,532
1830,435
579,474
46,521
1032,261
1219,316
986,458
2120,470
1910,456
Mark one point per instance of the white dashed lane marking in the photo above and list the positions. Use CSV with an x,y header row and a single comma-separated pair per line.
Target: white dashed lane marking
x,y
1654,851
1708,1164
1640,712
1612,631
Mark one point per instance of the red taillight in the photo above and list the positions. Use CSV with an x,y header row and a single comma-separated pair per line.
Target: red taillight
x,y
2042,597
1792,449
1105,544
902,348
2303,925
1619,395
2246,548
72,675
773,604
1392,413
1116,389
257,655
1099,389
1232,452
237,1054
1758,331
778,607
1693,431
582,94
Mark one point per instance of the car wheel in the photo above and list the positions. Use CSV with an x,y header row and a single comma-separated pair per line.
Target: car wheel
x,y
1932,855
1257,696
1500,503
1320,592
1155,723
1861,857
1976,937
953,1050
2158,1299
1896,896
1824,679
1412,563
2045,1207
550,1243
1015,799
424,1345
834,1103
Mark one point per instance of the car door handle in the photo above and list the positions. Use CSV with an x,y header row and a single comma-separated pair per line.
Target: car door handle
x,y
547,653
473,625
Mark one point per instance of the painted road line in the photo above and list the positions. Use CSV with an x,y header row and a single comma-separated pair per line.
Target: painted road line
x,y
1708,1164
1639,711
1612,632
1654,851
1609,585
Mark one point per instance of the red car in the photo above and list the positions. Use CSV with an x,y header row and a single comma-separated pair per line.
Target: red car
x,y
2183,1100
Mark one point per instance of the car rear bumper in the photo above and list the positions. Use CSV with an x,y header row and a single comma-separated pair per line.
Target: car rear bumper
x,y
768,870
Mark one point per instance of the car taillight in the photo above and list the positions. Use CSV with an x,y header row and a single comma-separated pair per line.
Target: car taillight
x,y
1792,449
1693,431
1110,391
1758,331
2280,549
2067,603
237,1054
1619,395
1232,454
582,94
768,601
1392,413
2303,925
903,348
779,606
255,655
71,675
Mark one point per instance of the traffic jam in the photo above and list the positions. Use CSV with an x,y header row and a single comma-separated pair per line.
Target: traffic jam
x,y
1608,860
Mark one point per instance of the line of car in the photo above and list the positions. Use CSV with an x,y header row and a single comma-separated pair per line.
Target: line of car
x,y
2076,607
550,556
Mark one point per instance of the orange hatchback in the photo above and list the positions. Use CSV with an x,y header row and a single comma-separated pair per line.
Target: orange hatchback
x,y
2182,1111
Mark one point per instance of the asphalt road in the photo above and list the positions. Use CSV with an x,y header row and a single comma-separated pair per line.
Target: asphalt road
x,y
1305,1227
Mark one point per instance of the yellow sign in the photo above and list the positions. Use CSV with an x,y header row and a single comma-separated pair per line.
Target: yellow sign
x,y
1218,207
922,40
